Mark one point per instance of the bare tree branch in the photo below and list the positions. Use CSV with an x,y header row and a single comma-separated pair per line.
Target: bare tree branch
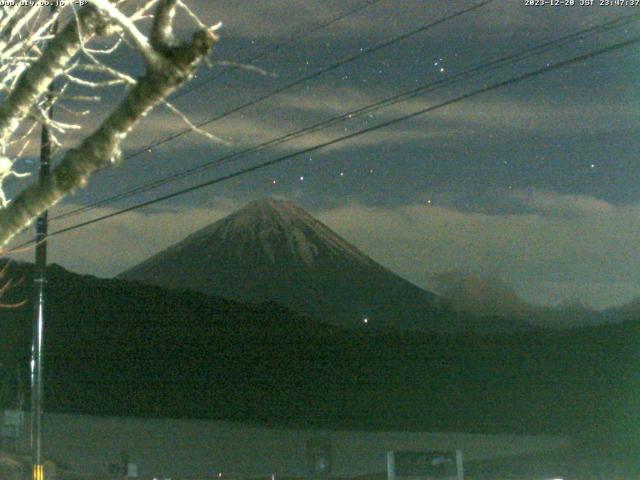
x,y
129,27
168,67
162,29
35,80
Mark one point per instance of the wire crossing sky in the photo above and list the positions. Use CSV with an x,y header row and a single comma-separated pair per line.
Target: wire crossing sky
x,y
587,56
322,71
513,58
535,181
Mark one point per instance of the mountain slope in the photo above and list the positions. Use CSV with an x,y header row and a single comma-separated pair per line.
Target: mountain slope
x,y
273,250
119,348
489,297
480,295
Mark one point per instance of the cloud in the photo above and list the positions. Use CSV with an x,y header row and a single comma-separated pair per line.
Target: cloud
x,y
271,18
590,255
503,113
562,205
538,115
264,19
108,247
245,131
546,254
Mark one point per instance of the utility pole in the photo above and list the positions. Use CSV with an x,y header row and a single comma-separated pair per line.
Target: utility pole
x,y
40,281
37,345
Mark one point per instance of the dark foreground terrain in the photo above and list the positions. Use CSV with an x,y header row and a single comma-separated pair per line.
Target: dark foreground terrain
x,y
119,348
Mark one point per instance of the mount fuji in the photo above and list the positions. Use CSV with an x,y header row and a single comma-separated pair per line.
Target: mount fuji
x,y
274,251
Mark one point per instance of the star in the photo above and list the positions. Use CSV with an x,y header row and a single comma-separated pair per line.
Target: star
x,y
301,178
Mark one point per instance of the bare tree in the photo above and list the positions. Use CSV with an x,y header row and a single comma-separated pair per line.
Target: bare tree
x,y
5,286
31,57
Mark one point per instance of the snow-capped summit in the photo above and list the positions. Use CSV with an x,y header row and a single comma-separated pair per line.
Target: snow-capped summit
x,y
281,231
272,250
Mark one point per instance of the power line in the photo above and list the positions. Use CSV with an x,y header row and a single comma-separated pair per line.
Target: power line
x,y
279,46
269,50
298,82
314,75
495,86
448,81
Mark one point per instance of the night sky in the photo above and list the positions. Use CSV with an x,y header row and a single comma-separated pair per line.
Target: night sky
x,y
537,183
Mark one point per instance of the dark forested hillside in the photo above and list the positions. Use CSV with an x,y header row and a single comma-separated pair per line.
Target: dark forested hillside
x,y
120,348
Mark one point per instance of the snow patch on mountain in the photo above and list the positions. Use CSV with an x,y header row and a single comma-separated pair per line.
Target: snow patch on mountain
x,y
269,221
299,244
272,250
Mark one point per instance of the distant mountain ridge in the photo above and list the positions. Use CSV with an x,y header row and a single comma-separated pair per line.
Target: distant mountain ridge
x,y
480,295
489,296
126,349
275,251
